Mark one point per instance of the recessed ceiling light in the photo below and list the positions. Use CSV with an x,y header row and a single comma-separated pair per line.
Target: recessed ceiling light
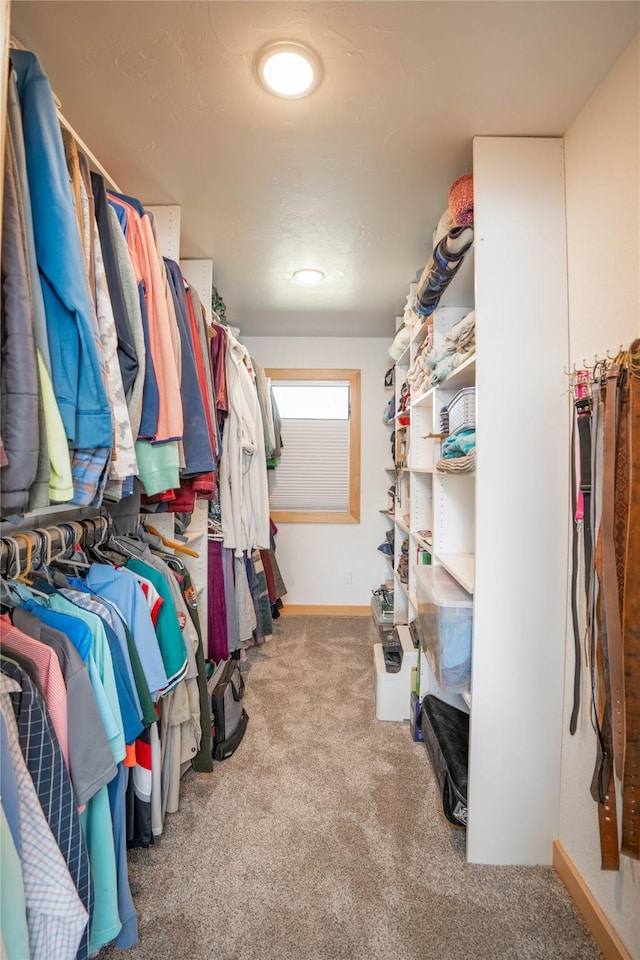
x,y
308,276
289,70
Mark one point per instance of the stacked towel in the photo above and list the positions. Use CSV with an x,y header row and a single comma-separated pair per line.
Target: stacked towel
x,y
432,365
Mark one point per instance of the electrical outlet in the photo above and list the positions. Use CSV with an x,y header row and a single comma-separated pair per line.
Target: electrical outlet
x,y
346,576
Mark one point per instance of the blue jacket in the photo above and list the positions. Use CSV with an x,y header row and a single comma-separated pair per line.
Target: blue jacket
x,y
75,368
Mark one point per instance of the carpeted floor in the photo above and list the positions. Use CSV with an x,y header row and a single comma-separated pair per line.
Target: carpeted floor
x,y
322,837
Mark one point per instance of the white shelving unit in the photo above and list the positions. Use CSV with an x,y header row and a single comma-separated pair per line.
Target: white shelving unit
x,y
500,531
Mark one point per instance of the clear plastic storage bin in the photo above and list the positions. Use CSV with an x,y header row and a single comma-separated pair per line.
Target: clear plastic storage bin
x,y
445,626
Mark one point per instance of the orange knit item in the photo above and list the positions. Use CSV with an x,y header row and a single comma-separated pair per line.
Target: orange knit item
x,y
461,200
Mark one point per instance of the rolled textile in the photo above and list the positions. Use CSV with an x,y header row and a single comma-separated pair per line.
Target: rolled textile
x,y
461,200
445,224
441,269
400,343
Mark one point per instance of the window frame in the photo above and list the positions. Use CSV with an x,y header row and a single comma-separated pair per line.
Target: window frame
x,y
352,514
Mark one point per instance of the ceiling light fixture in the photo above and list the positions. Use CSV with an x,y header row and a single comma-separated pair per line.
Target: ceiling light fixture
x,y
308,276
289,70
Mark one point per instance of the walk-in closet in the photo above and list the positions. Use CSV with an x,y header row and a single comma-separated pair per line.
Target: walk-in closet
x,y
319,480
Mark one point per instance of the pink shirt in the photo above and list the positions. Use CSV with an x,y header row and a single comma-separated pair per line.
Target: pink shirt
x,y
146,264
49,675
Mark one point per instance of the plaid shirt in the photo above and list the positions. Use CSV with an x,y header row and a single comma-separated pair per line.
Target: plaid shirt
x,y
57,921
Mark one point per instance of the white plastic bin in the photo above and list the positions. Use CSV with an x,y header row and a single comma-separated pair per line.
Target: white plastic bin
x,y
393,690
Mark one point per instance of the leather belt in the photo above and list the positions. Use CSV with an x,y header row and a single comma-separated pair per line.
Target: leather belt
x,y
631,625
603,783
575,620
609,580
606,503
582,522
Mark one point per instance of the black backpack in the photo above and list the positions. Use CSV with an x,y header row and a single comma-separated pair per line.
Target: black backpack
x,y
228,717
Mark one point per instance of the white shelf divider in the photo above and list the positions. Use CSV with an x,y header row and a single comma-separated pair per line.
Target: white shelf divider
x,y
461,566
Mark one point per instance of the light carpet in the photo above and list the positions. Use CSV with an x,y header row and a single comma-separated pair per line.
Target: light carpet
x,y
322,838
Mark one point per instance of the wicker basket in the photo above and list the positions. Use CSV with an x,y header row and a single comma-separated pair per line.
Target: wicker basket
x,y
462,410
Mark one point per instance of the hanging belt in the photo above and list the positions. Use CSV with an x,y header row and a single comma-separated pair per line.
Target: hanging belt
x,y
583,405
602,785
631,625
573,723
581,521
609,582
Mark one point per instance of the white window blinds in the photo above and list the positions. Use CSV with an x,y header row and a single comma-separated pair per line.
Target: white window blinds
x,y
313,470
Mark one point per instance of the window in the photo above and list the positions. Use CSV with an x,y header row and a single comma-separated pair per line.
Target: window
x,y
317,479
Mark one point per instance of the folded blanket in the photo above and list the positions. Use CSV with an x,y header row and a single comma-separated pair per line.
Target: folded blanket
x,y
461,200
459,444
466,464
463,330
441,269
448,364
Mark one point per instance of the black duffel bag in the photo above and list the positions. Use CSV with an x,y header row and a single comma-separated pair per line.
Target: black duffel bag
x,y
228,717
445,731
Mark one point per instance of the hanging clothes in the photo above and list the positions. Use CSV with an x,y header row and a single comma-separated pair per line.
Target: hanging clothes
x,y
244,497
75,371
56,917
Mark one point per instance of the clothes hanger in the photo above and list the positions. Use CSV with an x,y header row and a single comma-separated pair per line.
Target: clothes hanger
x,y
17,584
69,536
172,544
117,547
10,570
42,558
26,570
214,530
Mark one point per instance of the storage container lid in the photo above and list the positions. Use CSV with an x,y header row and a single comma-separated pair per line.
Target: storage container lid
x,y
435,585
460,395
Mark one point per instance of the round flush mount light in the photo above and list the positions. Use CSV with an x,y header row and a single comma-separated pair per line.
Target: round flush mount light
x,y
288,70
308,277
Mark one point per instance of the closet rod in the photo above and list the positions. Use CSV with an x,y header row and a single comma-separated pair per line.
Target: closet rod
x,y
39,541
95,163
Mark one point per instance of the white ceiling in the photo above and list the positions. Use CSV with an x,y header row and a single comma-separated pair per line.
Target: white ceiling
x,y
351,180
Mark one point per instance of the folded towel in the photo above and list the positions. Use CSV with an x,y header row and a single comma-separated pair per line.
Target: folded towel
x,y
449,363
461,200
462,330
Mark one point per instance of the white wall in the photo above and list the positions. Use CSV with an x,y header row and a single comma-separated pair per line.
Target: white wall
x,y
315,557
603,224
